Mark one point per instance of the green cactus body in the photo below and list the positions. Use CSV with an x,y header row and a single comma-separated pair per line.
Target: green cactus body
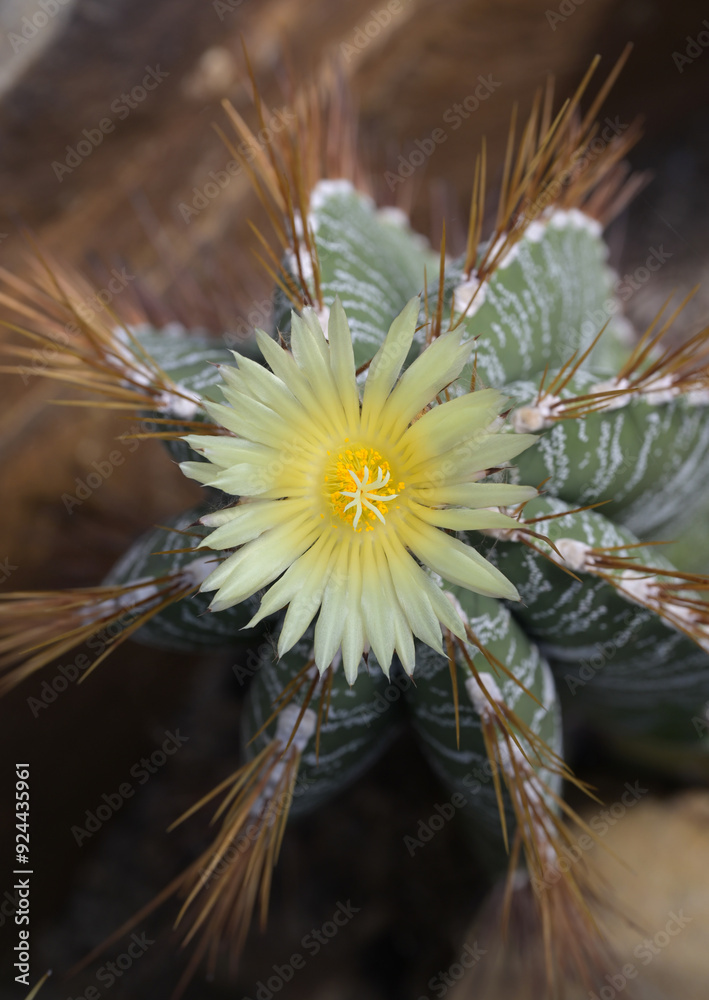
x,y
357,722
628,669
649,459
528,690
380,507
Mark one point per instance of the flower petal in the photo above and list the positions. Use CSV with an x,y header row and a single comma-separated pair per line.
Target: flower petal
x,y
451,423
468,460
334,611
460,519
476,494
387,363
259,562
410,584
312,355
342,361
202,472
306,603
434,369
455,561
375,607
249,520
353,629
255,381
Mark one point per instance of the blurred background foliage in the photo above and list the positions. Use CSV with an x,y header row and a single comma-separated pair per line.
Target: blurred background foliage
x,y
120,207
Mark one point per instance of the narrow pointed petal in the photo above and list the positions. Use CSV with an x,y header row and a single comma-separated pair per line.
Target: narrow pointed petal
x,y
258,563
459,519
342,361
331,620
312,355
306,603
377,611
225,451
434,369
201,472
477,495
250,520
353,631
387,363
410,584
445,426
457,562
469,459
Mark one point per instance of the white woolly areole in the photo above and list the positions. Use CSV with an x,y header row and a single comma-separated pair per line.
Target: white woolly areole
x,y
576,219
639,588
464,293
184,406
284,727
535,231
287,720
575,554
480,702
197,571
395,216
127,600
326,189
619,385
528,419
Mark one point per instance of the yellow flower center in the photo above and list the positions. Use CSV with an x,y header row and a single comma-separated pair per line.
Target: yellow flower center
x,y
359,488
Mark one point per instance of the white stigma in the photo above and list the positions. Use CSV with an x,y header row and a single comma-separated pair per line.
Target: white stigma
x,y
365,492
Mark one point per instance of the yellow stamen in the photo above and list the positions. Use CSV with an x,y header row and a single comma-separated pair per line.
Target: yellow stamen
x,y
354,493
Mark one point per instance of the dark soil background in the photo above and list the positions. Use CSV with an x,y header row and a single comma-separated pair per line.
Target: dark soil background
x,y
121,205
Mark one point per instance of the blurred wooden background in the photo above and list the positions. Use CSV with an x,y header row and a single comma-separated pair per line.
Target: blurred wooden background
x,y
121,206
